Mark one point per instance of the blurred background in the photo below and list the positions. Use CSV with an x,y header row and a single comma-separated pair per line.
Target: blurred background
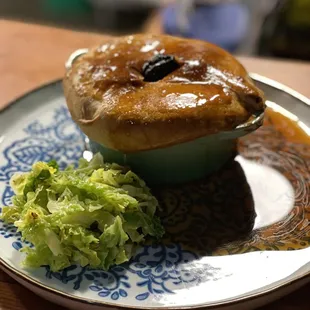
x,y
270,28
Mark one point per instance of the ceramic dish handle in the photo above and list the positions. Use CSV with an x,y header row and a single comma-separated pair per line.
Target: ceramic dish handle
x,y
74,56
252,124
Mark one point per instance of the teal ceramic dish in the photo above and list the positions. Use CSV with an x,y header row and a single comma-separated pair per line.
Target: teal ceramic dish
x,y
182,162
179,163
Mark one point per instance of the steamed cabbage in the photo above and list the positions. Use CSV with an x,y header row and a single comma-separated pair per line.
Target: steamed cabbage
x,y
95,214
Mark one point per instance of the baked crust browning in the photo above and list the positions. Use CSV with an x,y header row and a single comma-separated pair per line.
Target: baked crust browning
x,y
111,100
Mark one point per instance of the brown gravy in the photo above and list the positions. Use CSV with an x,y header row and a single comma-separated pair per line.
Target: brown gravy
x,y
289,128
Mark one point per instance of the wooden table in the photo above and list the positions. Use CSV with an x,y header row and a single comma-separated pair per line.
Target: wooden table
x,y
31,55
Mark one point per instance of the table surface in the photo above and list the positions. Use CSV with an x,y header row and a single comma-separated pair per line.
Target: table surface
x,y
31,55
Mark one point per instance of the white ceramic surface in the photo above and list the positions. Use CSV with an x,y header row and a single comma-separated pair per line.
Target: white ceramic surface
x,y
39,127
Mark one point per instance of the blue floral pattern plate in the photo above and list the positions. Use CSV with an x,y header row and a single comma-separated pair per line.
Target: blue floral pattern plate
x,y
211,257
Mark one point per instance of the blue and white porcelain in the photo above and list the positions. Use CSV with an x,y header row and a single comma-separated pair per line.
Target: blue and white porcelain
x,y
166,276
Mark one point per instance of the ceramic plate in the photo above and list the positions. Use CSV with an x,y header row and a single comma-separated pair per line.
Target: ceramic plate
x,y
230,238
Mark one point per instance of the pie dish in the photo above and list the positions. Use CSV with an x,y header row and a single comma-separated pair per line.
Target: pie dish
x,y
159,103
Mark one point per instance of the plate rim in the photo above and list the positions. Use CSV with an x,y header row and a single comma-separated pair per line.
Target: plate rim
x,y
8,268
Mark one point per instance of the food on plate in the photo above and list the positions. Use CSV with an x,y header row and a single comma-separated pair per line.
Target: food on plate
x,y
148,100
95,214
